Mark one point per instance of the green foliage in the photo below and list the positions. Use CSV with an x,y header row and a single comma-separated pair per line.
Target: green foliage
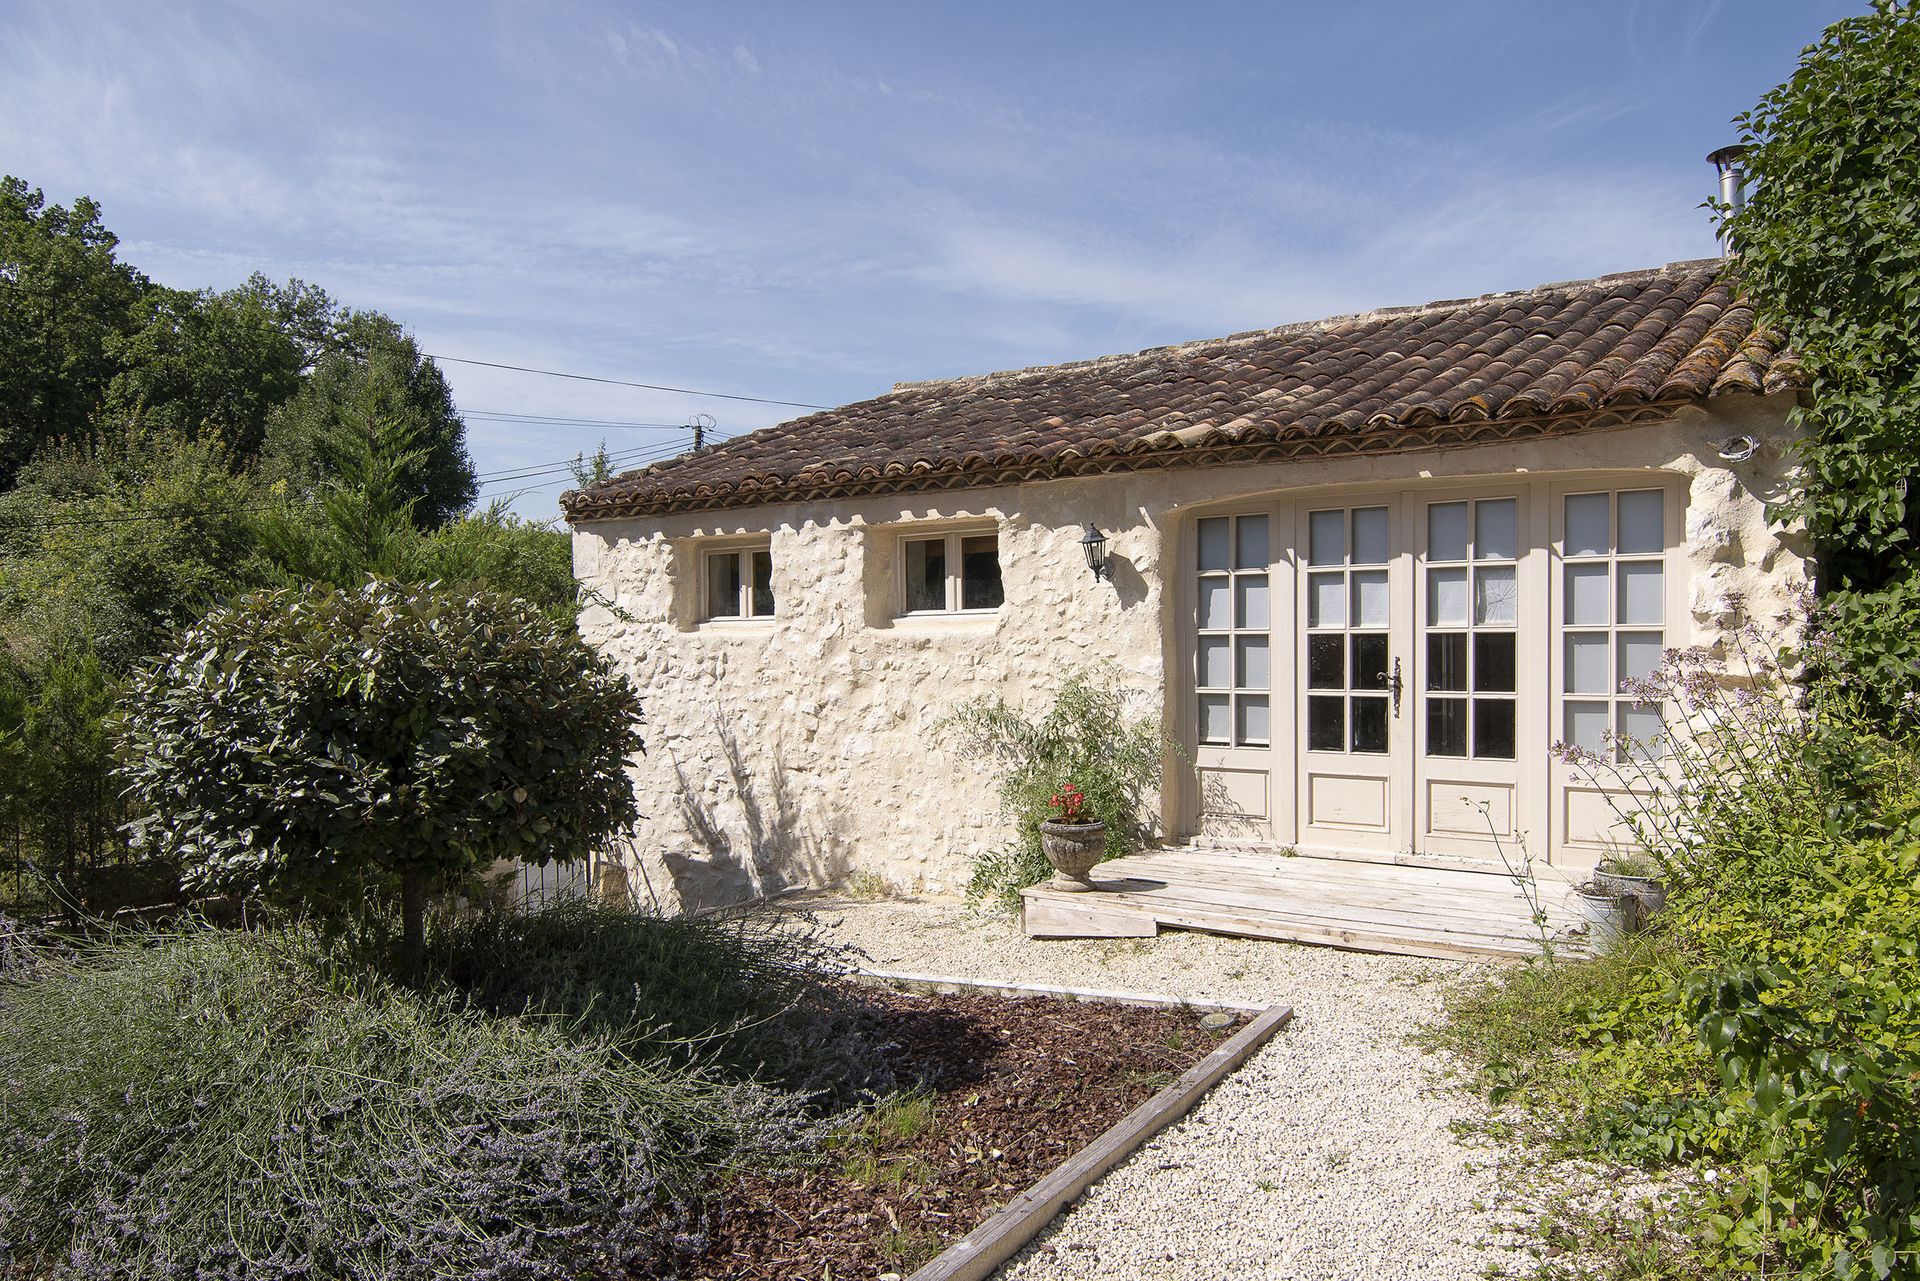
x,y
1771,1032
296,740
1088,737
246,1105
65,300
373,392
1830,247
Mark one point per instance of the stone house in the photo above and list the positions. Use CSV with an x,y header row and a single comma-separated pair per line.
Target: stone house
x,y
1368,570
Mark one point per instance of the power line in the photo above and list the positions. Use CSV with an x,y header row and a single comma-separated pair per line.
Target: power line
x,y
501,415
621,382
535,469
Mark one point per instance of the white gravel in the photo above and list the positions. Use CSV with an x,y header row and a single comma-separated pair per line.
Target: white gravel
x,y
1328,1155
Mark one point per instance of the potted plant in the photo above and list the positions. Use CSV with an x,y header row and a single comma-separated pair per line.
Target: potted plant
x,y
1072,840
1633,874
1606,916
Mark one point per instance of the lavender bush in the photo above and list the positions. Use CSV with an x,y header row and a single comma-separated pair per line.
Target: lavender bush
x,y
239,1105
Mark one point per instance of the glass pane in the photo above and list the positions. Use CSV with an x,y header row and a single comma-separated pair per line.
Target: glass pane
x,y
1213,543
1253,662
1215,719
1327,538
1326,724
1643,587
1587,596
1496,530
1369,662
1250,550
1643,526
1326,662
1589,532
1495,595
723,585
1250,600
1369,598
1326,600
1447,660
1213,663
1370,536
1493,728
1447,531
762,583
1587,664
1587,726
1369,724
1446,727
1493,656
927,573
1216,603
980,572
1639,654
1446,598
1644,727
1253,720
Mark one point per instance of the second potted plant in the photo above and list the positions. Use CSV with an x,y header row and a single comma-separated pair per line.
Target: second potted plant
x,y
1072,842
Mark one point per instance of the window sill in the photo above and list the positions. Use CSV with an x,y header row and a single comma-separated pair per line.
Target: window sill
x,y
947,620
763,623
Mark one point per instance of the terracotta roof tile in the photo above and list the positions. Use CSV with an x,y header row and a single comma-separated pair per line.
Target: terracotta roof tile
x,y
1559,358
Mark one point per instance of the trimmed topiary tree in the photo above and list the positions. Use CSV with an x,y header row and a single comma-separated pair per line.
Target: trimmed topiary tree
x,y
296,741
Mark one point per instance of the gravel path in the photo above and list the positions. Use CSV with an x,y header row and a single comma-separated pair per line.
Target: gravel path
x,y
1329,1155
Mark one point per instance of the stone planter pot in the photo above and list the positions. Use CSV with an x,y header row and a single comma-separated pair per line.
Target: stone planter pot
x,y
1649,893
1073,849
1608,917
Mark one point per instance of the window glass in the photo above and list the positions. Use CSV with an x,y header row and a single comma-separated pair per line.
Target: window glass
x,y
723,585
1642,522
1496,531
1326,600
1370,536
1587,726
1216,719
1250,604
1642,592
761,599
1639,655
1493,728
1493,663
1589,532
1642,725
1251,540
1587,596
1213,543
980,572
1213,660
1447,531
1447,660
1369,661
1326,723
1253,720
1252,662
1326,663
1369,598
1587,664
1446,727
1327,538
1369,724
1495,597
1216,603
1446,598
926,574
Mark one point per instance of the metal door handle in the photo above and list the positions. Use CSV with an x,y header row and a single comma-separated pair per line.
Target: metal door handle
x,y
1393,683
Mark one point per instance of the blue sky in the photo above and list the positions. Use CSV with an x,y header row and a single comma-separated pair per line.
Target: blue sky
x,y
811,202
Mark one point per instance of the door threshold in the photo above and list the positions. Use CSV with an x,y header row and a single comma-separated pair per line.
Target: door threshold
x,y
1402,858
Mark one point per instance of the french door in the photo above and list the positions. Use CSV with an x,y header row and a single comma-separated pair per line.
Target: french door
x,y
1377,682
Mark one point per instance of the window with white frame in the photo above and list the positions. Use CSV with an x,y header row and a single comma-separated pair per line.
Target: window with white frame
x,y
950,573
736,582
1614,603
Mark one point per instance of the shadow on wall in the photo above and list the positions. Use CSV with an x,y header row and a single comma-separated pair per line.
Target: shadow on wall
x,y
1129,584
749,843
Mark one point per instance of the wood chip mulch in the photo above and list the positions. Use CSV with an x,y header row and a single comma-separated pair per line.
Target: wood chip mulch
x,y
1017,1085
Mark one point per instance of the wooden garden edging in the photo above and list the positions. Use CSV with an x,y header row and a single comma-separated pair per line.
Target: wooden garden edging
x,y
975,1255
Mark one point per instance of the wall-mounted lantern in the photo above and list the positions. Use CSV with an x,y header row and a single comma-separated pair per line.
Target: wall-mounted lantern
x,y
1094,547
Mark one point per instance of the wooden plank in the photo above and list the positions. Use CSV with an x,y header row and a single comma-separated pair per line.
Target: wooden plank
x,y
1315,909
975,1255
1062,916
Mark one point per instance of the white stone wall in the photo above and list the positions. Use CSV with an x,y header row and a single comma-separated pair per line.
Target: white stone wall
x,y
801,749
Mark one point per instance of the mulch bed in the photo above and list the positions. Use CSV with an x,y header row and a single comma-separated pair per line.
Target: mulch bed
x,y
1017,1086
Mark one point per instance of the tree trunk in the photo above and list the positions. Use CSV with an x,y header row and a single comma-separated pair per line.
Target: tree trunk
x,y
413,926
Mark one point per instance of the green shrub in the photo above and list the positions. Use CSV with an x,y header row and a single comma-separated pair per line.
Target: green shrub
x,y
1771,1030
242,1105
742,993
305,742
1089,738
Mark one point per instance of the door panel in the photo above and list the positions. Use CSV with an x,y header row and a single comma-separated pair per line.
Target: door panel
x,y
1351,621
1233,570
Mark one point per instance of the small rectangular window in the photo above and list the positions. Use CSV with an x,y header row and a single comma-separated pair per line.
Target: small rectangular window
x,y
951,572
737,584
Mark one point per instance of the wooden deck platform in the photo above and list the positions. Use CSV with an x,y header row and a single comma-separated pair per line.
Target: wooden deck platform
x,y
1400,907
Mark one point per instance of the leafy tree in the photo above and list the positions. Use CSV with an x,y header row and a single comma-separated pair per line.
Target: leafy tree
x,y
296,739
372,384
219,362
65,300
1830,246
